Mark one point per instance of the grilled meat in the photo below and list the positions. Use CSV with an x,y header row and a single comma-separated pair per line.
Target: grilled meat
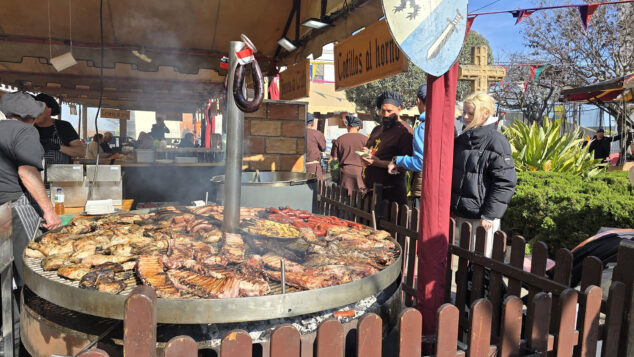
x,y
150,271
95,276
54,262
112,287
204,286
274,262
248,284
233,248
73,272
301,280
98,259
33,253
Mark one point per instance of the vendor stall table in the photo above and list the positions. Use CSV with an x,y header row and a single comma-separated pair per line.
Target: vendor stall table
x,y
126,206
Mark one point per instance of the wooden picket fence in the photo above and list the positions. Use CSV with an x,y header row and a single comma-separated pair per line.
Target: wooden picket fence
x,y
140,333
574,322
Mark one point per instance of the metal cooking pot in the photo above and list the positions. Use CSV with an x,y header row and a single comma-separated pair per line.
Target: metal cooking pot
x,y
273,189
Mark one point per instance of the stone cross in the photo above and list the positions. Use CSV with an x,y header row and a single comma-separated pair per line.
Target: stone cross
x,y
479,72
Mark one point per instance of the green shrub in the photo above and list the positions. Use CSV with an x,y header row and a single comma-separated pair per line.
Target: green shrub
x,y
543,148
564,209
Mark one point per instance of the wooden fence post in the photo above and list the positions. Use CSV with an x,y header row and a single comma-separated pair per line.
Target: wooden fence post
x,y
330,339
139,336
447,331
518,245
410,332
623,273
567,335
461,273
495,280
511,331
480,334
588,322
236,343
613,319
369,336
181,346
538,322
285,341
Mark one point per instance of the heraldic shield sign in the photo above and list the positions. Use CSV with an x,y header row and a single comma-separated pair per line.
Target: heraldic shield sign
x,y
429,32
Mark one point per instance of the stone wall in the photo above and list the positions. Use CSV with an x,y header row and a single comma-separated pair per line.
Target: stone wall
x,y
274,136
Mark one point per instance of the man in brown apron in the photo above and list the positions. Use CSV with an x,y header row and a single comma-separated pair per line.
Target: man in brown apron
x,y
315,144
387,141
343,150
58,137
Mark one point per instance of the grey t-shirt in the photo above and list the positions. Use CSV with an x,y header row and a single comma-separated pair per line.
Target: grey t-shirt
x,y
19,145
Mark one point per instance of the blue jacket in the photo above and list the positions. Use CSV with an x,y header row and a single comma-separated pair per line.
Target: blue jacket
x,y
415,163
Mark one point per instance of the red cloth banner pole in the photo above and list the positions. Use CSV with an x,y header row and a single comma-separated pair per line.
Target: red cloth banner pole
x,y
436,196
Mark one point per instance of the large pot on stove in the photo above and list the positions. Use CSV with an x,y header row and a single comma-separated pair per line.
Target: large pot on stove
x,y
273,189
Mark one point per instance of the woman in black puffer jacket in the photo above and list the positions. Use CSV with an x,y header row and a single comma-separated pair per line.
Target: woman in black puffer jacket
x,y
483,171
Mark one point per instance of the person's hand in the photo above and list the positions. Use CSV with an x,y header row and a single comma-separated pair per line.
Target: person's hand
x,y
368,161
392,168
486,224
52,221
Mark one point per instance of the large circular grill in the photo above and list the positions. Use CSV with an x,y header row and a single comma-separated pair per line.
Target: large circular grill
x,y
65,293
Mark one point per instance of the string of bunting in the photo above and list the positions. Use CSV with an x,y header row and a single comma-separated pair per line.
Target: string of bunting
x,y
585,12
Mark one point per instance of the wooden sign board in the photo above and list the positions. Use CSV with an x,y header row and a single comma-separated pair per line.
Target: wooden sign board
x,y
295,81
115,114
367,56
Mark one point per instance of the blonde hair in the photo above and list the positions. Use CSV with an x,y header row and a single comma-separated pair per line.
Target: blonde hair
x,y
484,107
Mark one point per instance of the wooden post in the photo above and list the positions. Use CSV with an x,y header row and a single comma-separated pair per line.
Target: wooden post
x,y
84,121
139,336
623,273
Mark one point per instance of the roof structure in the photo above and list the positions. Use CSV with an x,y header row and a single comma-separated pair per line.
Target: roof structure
x,y
606,91
159,55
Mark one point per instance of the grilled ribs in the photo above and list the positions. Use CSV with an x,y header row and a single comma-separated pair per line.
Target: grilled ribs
x,y
204,286
150,271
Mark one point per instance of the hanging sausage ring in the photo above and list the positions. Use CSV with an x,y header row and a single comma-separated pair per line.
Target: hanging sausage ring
x,y
246,57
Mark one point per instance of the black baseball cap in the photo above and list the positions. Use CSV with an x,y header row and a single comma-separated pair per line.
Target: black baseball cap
x,y
50,102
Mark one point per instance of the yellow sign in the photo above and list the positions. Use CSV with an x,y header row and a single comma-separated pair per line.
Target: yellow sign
x,y
115,114
367,56
295,81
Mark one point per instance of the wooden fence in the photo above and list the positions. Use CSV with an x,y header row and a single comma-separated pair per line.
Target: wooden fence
x,y
140,333
477,276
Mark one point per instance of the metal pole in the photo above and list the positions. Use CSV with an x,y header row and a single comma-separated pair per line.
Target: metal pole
x,y
233,161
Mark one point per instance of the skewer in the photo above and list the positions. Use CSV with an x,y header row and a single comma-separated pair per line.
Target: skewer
x,y
37,226
283,263
206,198
374,220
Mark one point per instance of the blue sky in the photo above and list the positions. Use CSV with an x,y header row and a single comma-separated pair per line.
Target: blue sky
x,y
500,29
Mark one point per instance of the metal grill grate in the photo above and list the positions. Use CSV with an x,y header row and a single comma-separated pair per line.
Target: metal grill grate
x,y
36,265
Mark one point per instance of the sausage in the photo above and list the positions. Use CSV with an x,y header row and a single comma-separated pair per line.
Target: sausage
x,y
258,83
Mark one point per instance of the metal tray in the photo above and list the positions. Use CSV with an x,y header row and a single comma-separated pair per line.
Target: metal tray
x,y
206,311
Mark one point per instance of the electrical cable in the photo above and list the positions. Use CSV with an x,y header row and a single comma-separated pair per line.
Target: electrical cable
x,y
92,184
485,6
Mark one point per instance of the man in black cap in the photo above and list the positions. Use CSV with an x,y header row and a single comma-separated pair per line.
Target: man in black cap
x,y
343,150
159,129
387,141
601,145
58,137
315,144
21,157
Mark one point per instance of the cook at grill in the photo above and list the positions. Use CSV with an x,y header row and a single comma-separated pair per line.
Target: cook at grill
x,y
21,157
58,137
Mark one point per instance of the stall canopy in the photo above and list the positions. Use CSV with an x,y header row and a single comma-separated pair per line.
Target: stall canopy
x,y
618,89
159,55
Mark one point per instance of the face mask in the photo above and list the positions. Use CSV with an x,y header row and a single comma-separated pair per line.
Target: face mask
x,y
389,121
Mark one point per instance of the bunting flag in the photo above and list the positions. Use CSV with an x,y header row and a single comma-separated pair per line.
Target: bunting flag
x,y
245,56
586,11
538,72
470,20
521,14
533,72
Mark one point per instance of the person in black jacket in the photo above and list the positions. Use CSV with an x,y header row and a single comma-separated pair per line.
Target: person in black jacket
x,y
483,171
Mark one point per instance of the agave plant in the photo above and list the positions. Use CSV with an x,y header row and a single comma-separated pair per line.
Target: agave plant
x,y
543,148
